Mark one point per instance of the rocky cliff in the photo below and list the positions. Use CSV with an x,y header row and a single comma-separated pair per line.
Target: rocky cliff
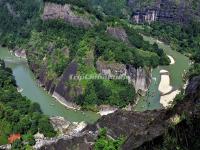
x,y
163,10
140,78
58,87
142,130
56,11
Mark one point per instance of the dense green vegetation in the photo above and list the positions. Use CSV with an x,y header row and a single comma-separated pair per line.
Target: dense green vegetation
x,y
104,143
100,8
99,92
16,20
137,41
53,44
184,39
112,49
57,38
17,113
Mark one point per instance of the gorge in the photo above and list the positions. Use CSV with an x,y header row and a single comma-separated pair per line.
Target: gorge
x,y
142,105
90,74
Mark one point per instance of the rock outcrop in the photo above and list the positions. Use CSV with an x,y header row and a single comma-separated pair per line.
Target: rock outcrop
x,y
56,11
61,87
5,147
58,87
18,52
139,128
82,141
138,77
65,127
118,33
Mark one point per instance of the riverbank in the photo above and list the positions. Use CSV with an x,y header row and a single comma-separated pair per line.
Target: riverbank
x,y
106,109
172,61
19,53
164,86
167,92
64,102
60,99
179,63
106,112
102,110
26,80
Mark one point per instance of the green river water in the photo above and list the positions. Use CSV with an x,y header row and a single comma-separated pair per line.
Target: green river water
x,y
25,80
152,100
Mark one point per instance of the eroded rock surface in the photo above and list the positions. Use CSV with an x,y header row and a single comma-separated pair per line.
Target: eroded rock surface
x,y
138,77
56,11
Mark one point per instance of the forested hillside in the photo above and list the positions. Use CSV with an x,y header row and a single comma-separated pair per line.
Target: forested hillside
x,y
53,44
16,19
97,39
100,8
18,115
184,39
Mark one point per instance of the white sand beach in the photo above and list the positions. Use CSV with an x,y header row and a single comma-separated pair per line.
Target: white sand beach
x,y
172,61
167,100
106,112
164,88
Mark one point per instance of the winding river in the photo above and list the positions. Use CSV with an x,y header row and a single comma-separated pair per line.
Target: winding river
x,y
26,81
152,99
